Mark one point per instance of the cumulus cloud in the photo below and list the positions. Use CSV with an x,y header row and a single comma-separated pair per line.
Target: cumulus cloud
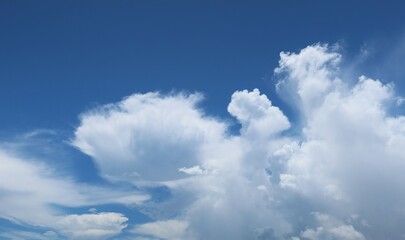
x,y
256,114
75,226
219,170
259,184
306,77
331,229
91,226
346,161
338,176
147,137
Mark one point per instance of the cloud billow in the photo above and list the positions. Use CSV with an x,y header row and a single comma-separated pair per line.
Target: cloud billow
x,y
339,177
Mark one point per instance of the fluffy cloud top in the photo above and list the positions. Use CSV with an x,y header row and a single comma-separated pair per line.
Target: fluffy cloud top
x,y
147,137
256,114
308,76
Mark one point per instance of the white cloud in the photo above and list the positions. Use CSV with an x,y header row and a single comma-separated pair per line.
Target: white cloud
x,y
91,226
196,170
337,176
26,189
349,150
24,235
308,76
147,136
29,190
331,229
159,135
348,142
256,114
347,154
169,229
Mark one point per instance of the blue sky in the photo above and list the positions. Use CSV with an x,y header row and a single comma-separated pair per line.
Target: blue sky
x,y
66,55
139,119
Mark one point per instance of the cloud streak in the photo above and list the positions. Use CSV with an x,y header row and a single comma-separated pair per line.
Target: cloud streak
x,y
31,191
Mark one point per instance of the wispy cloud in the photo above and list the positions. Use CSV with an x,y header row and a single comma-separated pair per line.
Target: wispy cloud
x,y
30,190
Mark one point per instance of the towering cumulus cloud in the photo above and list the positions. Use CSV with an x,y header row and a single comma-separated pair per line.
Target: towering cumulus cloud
x,y
340,177
338,174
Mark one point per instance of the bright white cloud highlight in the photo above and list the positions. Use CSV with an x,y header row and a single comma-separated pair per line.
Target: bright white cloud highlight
x,y
308,76
256,114
196,170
